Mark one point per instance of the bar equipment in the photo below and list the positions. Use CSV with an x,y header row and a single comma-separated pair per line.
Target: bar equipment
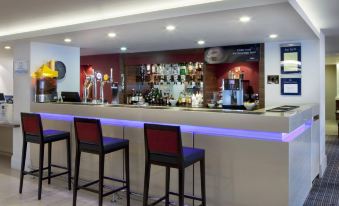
x,y
115,88
46,83
233,94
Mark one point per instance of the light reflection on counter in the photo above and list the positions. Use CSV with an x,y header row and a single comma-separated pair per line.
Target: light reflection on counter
x,y
202,130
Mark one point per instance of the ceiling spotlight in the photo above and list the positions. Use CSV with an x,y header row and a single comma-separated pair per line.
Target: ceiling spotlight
x,y
201,42
245,19
170,28
273,36
123,48
111,35
67,40
7,47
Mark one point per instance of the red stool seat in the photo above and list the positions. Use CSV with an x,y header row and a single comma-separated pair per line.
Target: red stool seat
x,y
163,147
89,139
48,136
33,132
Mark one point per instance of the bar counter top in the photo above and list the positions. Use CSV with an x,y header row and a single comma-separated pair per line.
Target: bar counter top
x,y
258,120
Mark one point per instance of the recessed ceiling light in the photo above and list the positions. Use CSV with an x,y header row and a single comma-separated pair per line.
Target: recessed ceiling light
x,y
111,35
201,42
123,48
7,47
273,36
170,28
68,40
245,19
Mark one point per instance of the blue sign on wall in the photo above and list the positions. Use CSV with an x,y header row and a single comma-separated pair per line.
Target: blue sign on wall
x,y
290,56
290,86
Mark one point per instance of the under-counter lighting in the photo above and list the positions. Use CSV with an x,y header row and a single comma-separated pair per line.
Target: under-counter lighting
x,y
273,36
170,28
245,19
123,48
111,35
7,47
67,40
201,42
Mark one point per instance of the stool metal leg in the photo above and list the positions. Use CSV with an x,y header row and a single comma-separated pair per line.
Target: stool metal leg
x,y
101,177
49,162
41,165
69,164
76,176
23,161
168,175
127,175
181,186
203,185
146,183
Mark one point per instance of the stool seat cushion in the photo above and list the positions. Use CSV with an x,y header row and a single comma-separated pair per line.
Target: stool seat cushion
x,y
110,144
48,136
190,156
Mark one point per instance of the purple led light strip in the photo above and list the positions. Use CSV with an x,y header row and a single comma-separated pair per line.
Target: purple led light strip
x,y
212,131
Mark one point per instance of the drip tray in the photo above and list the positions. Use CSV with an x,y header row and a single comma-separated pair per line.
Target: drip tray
x,y
284,108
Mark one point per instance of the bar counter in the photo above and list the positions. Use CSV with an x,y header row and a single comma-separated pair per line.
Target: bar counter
x,y
252,157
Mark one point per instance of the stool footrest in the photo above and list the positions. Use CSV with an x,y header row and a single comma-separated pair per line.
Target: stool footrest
x,y
115,179
60,167
33,171
187,196
89,184
114,191
157,201
55,175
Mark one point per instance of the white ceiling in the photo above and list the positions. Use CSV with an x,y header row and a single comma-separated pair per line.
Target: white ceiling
x,y
30,18
325,15
216,28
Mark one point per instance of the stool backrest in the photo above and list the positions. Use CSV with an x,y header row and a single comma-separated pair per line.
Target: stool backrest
x,y
88,131
163,139
31,124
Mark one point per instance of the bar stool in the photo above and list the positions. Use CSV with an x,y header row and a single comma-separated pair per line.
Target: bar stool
x,y
89,139
33,133
164,148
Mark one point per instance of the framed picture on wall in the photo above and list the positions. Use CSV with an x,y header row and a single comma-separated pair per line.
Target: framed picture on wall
x,y
290,56
290,86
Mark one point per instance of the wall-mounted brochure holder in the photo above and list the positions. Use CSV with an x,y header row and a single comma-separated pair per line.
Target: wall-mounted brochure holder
x,y
290,56
290,86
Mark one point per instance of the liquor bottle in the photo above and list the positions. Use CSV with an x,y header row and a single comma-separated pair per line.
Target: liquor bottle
x,y
182,69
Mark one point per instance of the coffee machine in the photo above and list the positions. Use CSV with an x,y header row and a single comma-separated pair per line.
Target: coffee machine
x,y
233,94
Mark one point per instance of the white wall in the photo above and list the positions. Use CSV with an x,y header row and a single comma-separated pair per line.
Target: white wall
x,y
331,92
313,81
38,54
310,78
42,53
6,72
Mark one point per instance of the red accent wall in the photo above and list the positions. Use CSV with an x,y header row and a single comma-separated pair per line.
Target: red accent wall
x,y
250,69
103,64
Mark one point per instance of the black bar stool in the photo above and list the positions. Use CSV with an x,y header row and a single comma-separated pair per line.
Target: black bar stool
x,y
89,139
164,148
33,133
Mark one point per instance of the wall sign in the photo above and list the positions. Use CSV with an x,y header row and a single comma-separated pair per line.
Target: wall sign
x,y
21,66
290,56
232,54
272,79
290,86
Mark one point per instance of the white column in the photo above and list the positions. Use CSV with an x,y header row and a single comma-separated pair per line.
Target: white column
x,y
22,91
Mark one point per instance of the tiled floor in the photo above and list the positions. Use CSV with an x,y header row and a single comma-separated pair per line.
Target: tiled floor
x,y
325,191
55,194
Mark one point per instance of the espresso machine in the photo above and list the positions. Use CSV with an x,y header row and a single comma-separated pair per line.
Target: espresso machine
x,y
233,94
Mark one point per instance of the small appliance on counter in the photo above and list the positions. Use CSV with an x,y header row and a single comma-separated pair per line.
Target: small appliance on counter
x,y
233,94
70,97
46,83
